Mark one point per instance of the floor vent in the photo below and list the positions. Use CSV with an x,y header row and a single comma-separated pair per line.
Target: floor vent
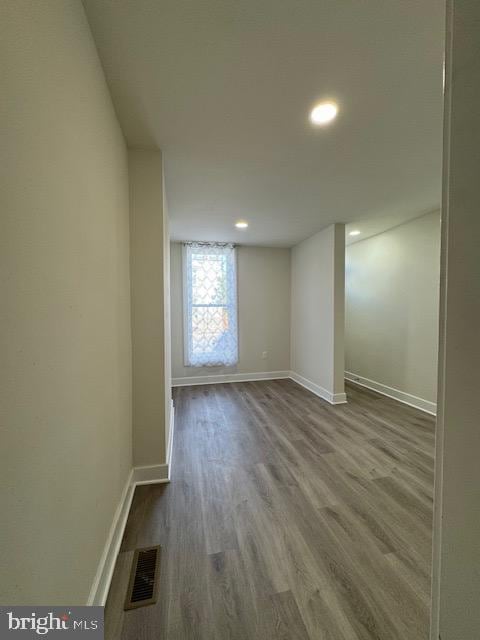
x,y
142,587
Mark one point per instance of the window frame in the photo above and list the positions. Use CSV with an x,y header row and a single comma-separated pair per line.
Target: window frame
x,y
231,304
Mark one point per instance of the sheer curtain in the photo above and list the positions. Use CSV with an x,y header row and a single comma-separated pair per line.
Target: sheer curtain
x,y
210,304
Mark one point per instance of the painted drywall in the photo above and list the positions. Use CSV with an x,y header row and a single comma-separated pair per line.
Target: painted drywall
x,y
317,310
65,379
392,297
148,244
456,557
263,276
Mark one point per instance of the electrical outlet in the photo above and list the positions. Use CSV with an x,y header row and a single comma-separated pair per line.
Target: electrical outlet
x,y
264,355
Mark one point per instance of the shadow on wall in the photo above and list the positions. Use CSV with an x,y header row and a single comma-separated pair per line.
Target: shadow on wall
x,y
392,306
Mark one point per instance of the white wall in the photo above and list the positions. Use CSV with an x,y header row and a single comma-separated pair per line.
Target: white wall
x,y
392,292
456,558
317,313
65,378
149,254
263,308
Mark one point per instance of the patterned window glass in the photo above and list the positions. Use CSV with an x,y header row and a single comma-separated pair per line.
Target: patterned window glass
x,y
210,304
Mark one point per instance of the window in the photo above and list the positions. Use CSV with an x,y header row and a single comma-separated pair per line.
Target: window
x,y
210,304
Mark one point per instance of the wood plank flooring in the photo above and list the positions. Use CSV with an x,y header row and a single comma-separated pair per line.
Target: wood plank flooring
x,y
286,519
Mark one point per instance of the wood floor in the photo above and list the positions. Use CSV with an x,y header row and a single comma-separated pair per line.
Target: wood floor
x,y
286,519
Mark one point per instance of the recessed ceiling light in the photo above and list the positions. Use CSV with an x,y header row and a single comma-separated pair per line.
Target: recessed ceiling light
x,y
323,113
241,224
356,232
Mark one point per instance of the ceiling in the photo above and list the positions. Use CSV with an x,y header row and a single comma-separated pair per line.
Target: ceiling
x,y
224,88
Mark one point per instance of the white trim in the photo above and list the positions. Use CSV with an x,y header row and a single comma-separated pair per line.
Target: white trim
x,y
229,377
333,398
150,474
101,583
153,474
170,439
103,577
396,394
337,398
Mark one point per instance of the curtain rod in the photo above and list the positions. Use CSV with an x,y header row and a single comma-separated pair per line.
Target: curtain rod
x,y
203,243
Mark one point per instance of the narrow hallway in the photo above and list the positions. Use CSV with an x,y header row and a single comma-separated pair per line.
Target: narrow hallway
x,y
286,517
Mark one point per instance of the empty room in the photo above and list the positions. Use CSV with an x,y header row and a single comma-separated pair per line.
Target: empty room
x,y
239,266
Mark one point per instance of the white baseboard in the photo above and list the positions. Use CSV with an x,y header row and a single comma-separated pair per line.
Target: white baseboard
x,y
396,394
152,474
103,577
229,377
333,398
338,398
170,439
